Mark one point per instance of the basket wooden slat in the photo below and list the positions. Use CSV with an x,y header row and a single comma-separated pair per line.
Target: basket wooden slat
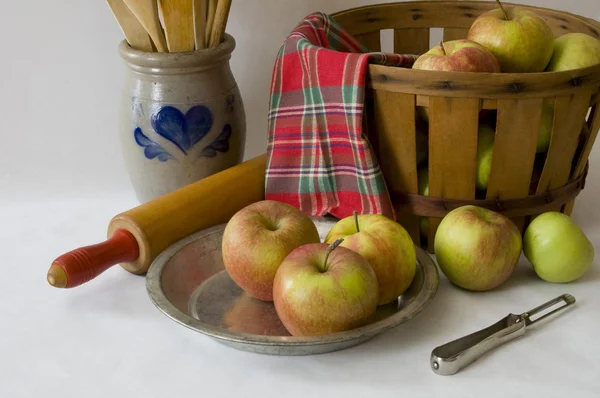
x,y
569,113
452,168
455,34
483,85
411,41
371,40
394,113
591,132
514,152
446,14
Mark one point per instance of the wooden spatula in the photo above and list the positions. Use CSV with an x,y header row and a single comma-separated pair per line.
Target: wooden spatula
x,y
134,32
210,17
200,10
146,11
179,24
220,22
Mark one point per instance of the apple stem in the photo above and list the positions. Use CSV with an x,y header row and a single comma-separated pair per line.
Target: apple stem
x,y
356,221
503,10
442,47
331,248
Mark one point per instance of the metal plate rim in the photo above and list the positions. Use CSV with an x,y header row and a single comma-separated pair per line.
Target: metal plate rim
x,y
154,290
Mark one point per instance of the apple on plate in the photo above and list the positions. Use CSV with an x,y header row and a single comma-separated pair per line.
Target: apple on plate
x,y
519,38
321,289
386,246
258,238
476,248
557,248
485,150
574,51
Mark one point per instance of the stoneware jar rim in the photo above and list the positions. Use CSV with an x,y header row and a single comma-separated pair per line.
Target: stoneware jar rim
x,y
197,58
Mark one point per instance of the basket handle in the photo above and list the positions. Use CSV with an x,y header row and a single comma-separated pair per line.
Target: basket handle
x,y
429,206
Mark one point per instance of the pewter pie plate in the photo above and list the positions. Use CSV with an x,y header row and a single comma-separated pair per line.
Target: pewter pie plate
x,y
188,283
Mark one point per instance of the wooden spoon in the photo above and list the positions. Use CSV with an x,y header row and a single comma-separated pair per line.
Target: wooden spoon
x,y
220,22
179,24
210,18
200,10
146,11
134,32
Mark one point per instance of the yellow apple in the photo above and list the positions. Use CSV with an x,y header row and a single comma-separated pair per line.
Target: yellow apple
x,y
574,51
386,246
520,39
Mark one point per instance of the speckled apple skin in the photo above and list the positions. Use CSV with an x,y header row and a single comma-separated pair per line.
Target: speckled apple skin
x,y
523,44
458,56
313,299
386,246
477,249
258,238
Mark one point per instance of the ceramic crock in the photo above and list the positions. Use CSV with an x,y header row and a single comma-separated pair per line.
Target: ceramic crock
x,y
182,118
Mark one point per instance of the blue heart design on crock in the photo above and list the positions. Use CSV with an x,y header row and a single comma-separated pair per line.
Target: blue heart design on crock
x,y
184,131
151,149
220,144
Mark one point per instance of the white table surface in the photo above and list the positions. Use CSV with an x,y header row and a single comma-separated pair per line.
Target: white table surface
x,y
106,338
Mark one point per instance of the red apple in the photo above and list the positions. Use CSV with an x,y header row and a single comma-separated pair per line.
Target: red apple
x,y
458,56
258,238
520,39
320,289
386,246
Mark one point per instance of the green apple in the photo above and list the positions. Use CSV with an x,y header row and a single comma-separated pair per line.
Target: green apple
x,y
557,248
485,151
386,246
423,179
422,139
321,289
574,51
477,249
520,39
258,238
546,124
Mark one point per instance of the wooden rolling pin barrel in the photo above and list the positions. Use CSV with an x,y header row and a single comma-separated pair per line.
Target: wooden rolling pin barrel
x,y
137,236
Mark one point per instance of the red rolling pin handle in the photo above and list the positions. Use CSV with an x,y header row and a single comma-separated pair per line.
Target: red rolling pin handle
x,y
84,264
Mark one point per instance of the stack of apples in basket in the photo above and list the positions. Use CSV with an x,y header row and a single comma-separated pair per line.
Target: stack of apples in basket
x,y
274,253
478,249
507,40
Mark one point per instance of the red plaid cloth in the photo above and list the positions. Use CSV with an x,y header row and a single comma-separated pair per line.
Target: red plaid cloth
x,y
318,158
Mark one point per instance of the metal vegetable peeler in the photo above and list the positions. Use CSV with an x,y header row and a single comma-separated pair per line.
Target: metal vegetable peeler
x,y
450,358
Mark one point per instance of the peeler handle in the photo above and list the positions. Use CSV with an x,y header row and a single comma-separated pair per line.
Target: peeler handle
x,y
450,358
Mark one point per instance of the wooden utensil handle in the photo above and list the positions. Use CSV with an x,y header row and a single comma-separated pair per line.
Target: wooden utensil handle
x,y
84,264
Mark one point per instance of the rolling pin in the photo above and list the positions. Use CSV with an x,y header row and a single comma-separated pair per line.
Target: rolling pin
x,y
137,236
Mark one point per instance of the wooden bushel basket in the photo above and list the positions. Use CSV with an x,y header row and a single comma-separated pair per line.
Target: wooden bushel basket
x,y
522,184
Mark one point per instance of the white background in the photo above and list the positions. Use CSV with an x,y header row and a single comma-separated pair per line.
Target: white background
x,y
62,178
